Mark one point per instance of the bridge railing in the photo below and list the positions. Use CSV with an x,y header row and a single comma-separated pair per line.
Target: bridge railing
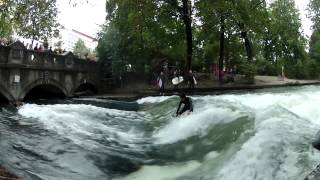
x,y
18,54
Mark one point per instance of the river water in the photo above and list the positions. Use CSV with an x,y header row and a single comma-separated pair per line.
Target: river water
x,y
262,135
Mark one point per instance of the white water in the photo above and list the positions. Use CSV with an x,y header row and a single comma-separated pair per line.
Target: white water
x,y
285,124
276,146
80,123
196,123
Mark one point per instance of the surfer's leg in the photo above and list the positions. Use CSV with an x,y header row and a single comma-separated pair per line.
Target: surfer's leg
x,y
162,89
183,110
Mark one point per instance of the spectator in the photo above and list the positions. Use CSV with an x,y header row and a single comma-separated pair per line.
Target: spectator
x,y
221,77
175,75
191,79
36,47
50,50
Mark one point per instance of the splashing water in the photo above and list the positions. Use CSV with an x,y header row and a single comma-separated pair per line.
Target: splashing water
x,y
254,136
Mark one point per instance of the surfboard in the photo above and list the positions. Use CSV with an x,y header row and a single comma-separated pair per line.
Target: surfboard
x,y
195,81
185,114
177,80
159,83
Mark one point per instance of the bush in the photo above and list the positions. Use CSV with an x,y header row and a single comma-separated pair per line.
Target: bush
x,y
249,70
265,67
312,69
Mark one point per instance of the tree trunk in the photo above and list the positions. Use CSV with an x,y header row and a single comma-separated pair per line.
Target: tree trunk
x,y
247,43
187,21
221,52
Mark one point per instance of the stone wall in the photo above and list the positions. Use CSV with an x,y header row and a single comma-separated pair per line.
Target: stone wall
x,y
22,69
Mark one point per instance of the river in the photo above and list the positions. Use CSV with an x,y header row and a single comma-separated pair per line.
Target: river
x,y
261,135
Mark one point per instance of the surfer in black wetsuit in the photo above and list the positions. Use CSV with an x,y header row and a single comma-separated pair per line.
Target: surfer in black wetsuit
x,y
187,104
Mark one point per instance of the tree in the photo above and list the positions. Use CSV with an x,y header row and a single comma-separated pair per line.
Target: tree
x,y
187,20
80,49
286,39
242,33
36,19
185,13
6,22
314,43
142,31
314,13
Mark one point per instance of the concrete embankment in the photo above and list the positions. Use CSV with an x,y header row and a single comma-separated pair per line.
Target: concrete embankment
x,y
206,87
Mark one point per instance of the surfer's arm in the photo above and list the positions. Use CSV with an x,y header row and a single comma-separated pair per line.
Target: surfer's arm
x,y
178,107
191,105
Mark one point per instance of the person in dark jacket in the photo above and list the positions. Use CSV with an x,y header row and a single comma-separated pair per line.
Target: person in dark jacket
x,y
187,105
191,80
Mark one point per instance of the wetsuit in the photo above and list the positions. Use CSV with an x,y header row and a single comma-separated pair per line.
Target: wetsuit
x,y
187,106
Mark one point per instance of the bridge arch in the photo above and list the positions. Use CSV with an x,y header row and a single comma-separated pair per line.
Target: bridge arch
x,y
85,86
40,89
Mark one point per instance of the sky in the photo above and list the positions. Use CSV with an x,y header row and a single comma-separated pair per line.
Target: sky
x,y
88,18
306,22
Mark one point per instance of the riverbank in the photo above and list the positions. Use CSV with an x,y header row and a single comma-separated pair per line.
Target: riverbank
x,y
6,175
204,87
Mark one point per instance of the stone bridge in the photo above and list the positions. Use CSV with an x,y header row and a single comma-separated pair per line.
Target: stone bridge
x,y
28,74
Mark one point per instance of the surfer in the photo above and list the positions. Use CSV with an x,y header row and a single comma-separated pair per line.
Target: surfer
x,y
187,104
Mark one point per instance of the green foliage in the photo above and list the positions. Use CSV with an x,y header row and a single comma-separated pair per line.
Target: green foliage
x,y
36,19
81,50
312,69
6,22
142,31
314,44
33,19
265,67
314,13
249,70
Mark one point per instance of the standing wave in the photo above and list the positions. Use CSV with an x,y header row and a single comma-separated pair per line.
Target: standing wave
x,y
250,136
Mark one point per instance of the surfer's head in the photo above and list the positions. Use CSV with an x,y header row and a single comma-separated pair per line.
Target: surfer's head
x,y
182,96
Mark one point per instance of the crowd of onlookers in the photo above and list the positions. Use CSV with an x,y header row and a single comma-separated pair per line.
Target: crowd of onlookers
x,y
43,47
39,47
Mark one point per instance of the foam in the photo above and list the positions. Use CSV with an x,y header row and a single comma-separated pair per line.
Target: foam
x,y
277,146
81,122
272,153
163,172
152,100
197,123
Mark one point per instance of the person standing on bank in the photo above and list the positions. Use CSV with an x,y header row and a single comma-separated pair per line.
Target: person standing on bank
x,y
175,75
191,80
161,82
